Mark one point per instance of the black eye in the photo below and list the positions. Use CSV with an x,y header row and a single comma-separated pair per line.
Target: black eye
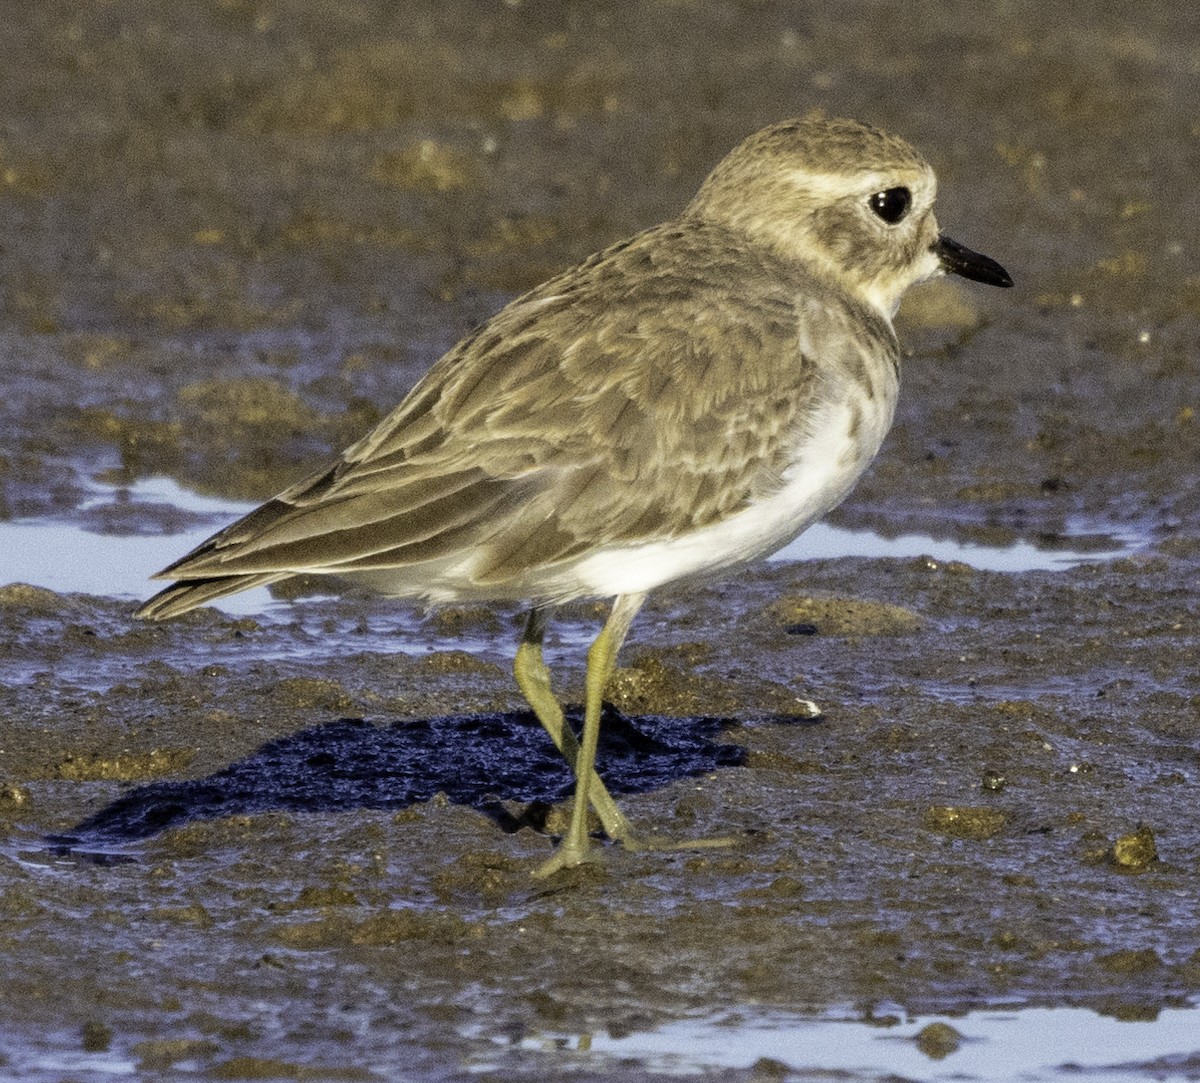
x,y
891,205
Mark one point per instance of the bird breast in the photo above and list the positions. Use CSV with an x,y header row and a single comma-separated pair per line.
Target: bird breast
x,y
836,442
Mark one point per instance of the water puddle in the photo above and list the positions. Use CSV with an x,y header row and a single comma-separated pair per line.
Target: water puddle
x,y
66,557
822,542
1032,1045
34,1062
1027,1044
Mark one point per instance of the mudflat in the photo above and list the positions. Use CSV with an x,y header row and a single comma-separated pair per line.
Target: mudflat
x,y
297,842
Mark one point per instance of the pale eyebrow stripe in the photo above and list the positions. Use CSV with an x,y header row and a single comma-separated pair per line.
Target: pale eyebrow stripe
x,y
824,183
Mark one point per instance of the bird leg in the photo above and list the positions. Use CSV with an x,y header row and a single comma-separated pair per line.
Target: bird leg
x,y
533,678
602,658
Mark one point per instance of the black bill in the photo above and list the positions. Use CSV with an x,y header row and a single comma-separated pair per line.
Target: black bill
x,y
957,259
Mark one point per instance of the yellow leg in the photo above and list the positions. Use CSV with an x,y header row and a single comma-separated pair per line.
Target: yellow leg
x,y
533,678
575,849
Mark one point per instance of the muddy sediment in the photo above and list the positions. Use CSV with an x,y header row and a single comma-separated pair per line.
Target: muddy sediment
x,y
298,844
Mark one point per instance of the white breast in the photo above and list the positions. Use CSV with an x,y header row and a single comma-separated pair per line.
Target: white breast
x,y
841,440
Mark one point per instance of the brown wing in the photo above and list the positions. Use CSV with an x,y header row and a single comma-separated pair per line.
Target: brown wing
x,y
647,392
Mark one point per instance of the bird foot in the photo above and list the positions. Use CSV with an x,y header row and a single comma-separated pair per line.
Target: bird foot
x,y
572,857
651,843
568,856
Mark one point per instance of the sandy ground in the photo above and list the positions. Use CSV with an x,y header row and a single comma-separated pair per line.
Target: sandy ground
x,y
298,845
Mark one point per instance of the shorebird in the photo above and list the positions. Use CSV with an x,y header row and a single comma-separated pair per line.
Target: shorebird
x,y
674,406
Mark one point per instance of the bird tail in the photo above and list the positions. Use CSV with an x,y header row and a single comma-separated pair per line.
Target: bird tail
x,y
189,593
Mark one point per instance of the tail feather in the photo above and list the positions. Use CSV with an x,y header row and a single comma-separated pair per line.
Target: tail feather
x,y
189,593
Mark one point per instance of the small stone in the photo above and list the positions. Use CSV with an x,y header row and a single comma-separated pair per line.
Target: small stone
x,y
13,796
1129,961
992,782
938,1040
97,1037
767,1070
1135,851
965,821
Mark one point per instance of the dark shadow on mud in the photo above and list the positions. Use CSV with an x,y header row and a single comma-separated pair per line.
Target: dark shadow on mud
x,y
477,760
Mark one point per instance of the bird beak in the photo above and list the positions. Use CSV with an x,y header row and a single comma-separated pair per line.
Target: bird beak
x,y
957,259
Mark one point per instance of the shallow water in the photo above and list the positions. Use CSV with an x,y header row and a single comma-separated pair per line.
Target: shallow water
x,y
1034,1045
64,555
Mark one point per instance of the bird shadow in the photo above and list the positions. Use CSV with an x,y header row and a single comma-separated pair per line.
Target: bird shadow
x,y
485,761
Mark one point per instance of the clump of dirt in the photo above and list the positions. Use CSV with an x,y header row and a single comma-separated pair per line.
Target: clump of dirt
x,y
843,617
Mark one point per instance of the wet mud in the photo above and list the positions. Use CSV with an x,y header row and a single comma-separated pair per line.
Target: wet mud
x,y
297,844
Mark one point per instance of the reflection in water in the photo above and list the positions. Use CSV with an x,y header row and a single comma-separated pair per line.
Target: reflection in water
x,y
991,1046
1033,1045
825,542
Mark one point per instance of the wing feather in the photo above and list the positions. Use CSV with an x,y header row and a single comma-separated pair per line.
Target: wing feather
x,y
635,398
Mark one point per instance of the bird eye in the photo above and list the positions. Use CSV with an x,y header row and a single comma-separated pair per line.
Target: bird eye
x,y
892,204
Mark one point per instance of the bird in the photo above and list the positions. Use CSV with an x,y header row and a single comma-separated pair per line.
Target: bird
x,y
683,402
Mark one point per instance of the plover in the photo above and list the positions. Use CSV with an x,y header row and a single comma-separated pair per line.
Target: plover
x,y
683,402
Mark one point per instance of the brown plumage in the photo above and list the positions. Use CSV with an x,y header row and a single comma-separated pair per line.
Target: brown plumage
x,y
684,401
630,399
